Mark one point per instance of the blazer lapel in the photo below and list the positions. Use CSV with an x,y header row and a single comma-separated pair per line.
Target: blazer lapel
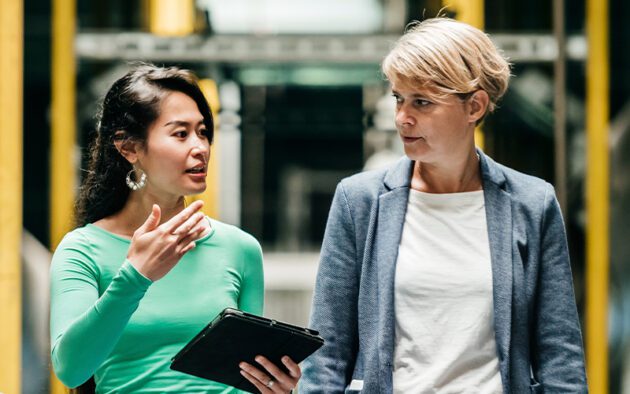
x,y
499,220
392,207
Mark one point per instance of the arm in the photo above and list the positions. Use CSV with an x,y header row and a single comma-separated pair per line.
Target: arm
x,y
251,297
251,300
334,313
83,327
557,354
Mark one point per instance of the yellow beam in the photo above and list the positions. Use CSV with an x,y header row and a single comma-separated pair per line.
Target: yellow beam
x,y
210,196
177,18
597,195
471,12
63,158
11,77
171,17
467,11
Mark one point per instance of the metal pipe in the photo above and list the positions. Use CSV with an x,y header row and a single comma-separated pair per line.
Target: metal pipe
x,y
471,12
560,103
63,160
11,76
597,194
210,196
170,17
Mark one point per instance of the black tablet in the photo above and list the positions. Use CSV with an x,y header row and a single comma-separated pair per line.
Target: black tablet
x,y
235,336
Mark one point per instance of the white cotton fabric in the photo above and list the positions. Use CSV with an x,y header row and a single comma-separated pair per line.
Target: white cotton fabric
x,y
444,334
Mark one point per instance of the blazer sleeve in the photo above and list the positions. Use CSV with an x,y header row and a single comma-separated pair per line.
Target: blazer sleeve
x,y
557,351
334,311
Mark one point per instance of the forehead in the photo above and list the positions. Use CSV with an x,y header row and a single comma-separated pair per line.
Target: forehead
x,y
413,87
179,106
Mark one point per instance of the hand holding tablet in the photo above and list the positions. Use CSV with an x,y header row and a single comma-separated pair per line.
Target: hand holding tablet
x,y
234,337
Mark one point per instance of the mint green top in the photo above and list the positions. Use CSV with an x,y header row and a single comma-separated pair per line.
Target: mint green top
x,y
110,321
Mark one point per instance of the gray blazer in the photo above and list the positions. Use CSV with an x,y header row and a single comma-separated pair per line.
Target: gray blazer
x,y
536,324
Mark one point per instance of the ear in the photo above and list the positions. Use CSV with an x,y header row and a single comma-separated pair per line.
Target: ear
x,y
478,105
127,147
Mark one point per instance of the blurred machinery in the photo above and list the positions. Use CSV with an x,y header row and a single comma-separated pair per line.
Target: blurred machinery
x,y
302,105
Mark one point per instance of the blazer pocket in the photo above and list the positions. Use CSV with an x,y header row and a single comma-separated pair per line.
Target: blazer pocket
x,y
356,386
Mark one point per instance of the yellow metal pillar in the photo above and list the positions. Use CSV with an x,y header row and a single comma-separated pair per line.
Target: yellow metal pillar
x,y
210,196
177,18
597,195
63,160
471,12
467,11
11,76
170,17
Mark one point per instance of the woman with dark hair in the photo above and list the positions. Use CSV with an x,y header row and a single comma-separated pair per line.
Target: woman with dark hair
x,y
143,273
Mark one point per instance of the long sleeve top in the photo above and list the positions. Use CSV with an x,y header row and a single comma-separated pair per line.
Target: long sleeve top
x,y
110,321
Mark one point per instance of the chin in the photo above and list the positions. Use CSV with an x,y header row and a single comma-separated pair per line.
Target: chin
x,y
200,190
193,190
421,155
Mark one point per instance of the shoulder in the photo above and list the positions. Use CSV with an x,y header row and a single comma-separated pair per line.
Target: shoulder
x,y
370,184
527,189
233,234
75,251
77,239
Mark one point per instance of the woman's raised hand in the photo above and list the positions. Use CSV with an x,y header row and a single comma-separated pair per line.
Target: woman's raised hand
x,y
156,248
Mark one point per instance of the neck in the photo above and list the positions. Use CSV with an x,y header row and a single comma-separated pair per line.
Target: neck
x,y
453,175
138,207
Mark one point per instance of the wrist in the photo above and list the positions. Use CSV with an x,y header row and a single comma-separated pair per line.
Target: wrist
x,y
136,273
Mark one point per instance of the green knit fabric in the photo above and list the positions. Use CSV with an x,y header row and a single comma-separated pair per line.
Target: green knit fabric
x,y
109,321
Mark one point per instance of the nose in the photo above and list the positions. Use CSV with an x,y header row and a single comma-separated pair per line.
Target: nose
x,y
200,147
403,118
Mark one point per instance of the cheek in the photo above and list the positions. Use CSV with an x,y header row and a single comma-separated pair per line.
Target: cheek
x,y
163,159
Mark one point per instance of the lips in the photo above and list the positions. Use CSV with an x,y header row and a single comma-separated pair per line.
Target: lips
x,y
200,169
409,139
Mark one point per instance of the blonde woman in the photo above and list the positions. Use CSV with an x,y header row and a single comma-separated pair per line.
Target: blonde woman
x,y
446,272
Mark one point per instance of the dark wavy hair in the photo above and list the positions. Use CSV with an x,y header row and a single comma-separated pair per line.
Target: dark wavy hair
x,y
130,106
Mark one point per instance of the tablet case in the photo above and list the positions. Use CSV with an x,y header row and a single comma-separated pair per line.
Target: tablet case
x,y
235,336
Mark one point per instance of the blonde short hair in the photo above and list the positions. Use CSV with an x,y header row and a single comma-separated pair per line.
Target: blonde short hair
x,y
448,57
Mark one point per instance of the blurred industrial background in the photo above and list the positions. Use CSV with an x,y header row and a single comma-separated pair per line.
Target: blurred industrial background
x,y
301,103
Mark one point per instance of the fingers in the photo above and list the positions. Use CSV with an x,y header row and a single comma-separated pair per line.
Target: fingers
x,y
275,372
252,379
153,220
281,381
201,227
188,248
192,236
186,227
179,219
292,366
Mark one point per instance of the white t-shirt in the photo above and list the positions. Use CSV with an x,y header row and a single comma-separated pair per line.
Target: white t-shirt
x,y
443,298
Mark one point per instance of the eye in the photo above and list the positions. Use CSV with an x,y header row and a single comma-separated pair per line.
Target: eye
x,y
180,134
397,98
202,133
421,102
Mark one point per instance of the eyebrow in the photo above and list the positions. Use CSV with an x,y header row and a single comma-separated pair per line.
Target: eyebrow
x,y
181,122
417,95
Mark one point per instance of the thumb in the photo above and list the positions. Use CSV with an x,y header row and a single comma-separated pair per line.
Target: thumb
x,y
153,220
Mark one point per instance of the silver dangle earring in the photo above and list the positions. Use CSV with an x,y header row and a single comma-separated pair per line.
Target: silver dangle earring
x,y
139,182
